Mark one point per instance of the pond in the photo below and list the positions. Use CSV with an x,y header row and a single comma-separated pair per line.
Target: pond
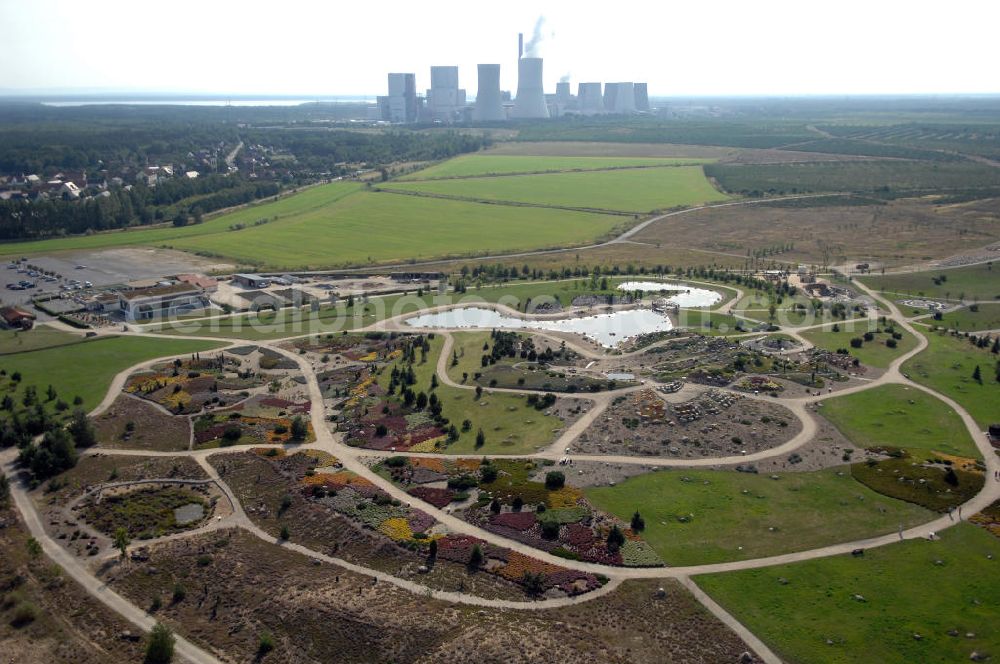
x,y
606,329
688,297
189,513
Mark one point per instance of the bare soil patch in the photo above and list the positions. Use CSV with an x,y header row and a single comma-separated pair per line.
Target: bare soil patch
x,y
134,424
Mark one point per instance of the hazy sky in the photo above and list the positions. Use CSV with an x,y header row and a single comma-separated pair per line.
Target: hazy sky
x,y
326,47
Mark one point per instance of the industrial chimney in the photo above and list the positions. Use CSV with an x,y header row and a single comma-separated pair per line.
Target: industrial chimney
x,y
530,101
488,104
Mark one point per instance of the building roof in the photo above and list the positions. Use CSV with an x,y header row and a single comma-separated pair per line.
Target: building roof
x,y
199,280
252,277
13,315
158,291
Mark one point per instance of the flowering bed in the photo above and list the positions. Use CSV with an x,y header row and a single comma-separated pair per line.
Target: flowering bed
x,y
437,497
513,505
190,384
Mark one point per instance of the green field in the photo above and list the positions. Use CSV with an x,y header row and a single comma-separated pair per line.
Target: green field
x,y
900,416
41,336
978,282
509,424
986,318
493,164
368,228
946,366
813,616
635,190
732,510
289,207
873,353
87,370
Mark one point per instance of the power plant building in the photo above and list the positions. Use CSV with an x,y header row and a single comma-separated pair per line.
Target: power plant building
x,y
445,99
489,102
400,105
530,99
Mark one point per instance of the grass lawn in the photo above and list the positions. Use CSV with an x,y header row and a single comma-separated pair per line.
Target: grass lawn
x,y
87,370
905,592
510,425
492,164
289,207
41,336
732,510
873,353
947,364
977,282
711,323
635,190
986,318
370,228
900,416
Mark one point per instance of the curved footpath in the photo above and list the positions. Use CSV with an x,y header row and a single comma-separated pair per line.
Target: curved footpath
x,y
353,459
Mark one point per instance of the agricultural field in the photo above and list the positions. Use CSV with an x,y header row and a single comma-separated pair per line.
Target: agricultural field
x,y
485,164
915,601
947,365
874,353
88,375
900,416
634,191
348,232
288,207
976,282
895,233
695,516
862,176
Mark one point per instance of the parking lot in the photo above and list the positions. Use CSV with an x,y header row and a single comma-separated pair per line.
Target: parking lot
x,y
100,268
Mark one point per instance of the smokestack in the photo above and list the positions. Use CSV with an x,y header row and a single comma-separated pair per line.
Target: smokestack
x,y
488,103
520,45
530,101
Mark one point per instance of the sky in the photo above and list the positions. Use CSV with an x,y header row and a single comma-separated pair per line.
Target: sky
x,y
329,48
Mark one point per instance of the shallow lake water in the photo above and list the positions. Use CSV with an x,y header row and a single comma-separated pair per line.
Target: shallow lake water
x,y
689,297
606,329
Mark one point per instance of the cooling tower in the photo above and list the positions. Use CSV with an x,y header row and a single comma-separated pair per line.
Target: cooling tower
x,y
619,98
562,92
530,101
589,99
641,97
488,104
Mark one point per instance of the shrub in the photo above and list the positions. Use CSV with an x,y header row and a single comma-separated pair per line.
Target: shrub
x,y
615,538
24,614
857,342
179,593
488,473
160,649
284,535
396,461
550,529
554,480
265,644
299,428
